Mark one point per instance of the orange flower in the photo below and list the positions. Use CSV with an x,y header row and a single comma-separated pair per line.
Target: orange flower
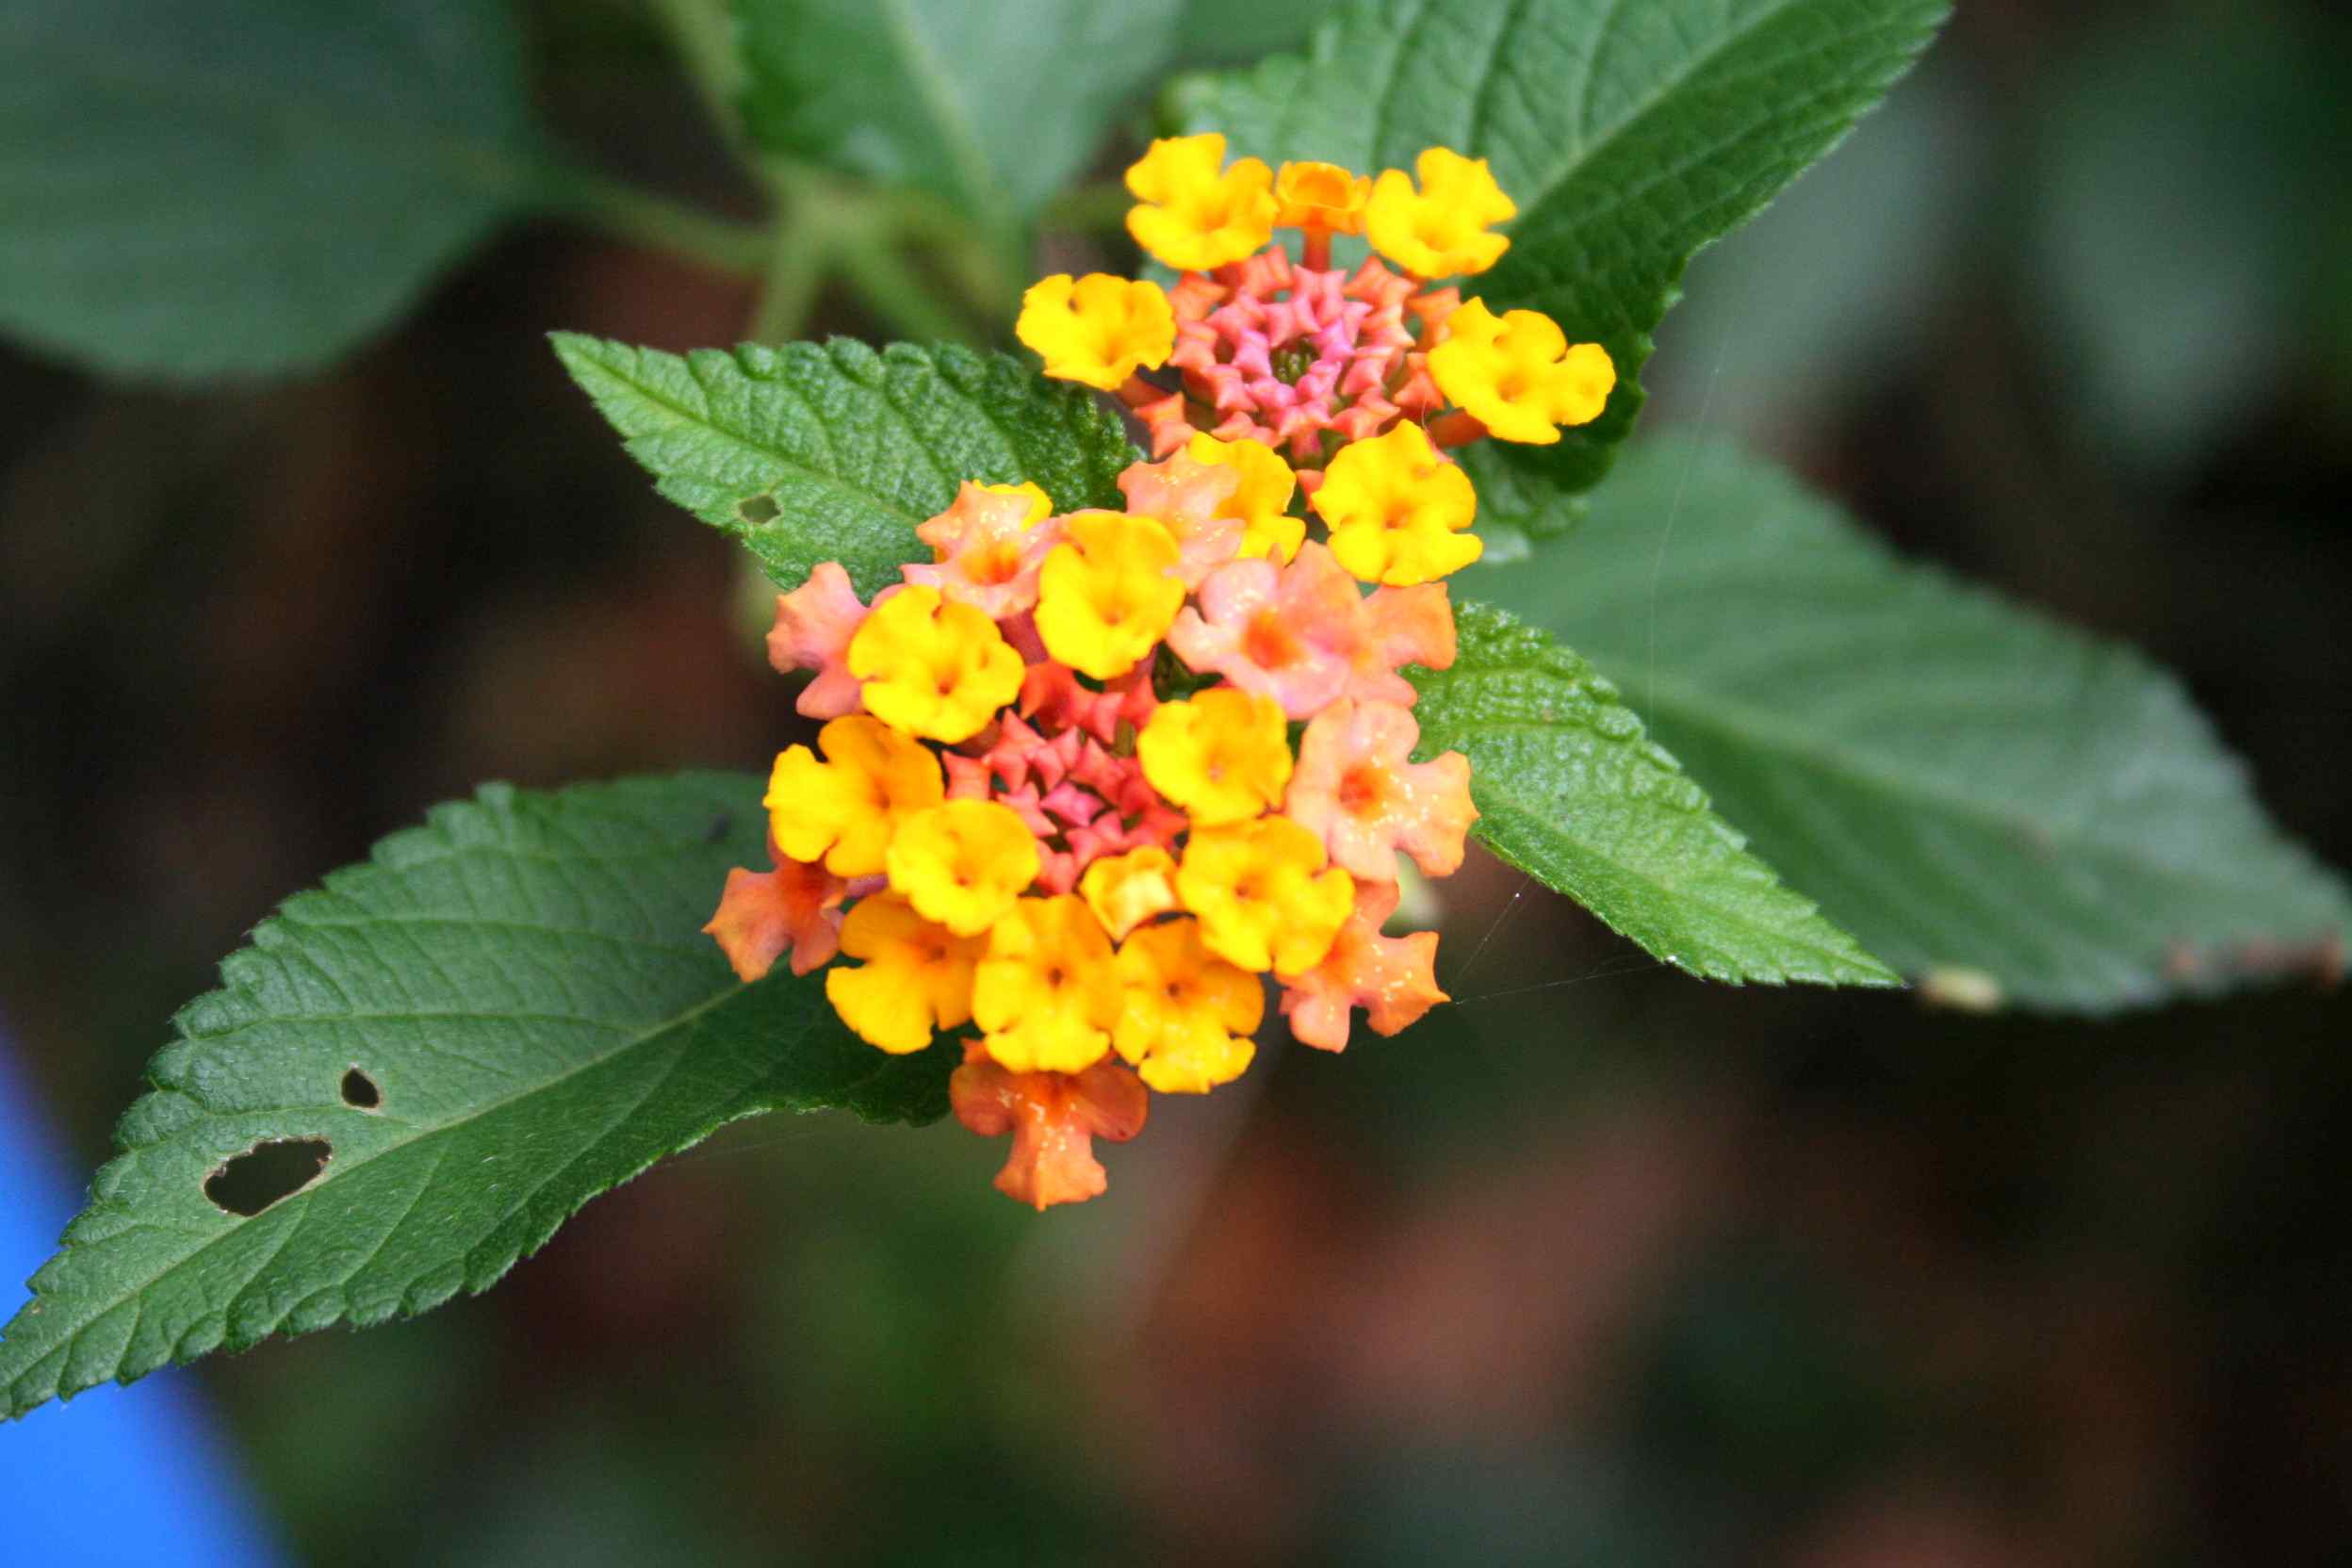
x,y
1359,791
1055,1118
796,909
1392,978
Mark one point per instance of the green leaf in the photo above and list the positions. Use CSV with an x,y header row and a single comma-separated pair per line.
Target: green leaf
x,y
524,986
992,108
245,186
1987,798
1630,134
1570,791
809,453
1215,30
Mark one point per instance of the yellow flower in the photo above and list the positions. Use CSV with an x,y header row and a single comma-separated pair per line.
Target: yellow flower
x,y
1440,231
1265,899
1187,1013
934,668
963,863
1039,504
1397,511
1097,329
844,808
1194,217
1260,500
1124,891
917,976
1047,993
1223,755
1517,375
1320,196
1108,595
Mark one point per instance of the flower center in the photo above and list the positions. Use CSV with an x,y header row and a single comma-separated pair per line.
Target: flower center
x,y
1362,789
1270,644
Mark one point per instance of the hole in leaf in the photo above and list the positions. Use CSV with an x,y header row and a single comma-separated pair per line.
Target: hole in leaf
x,y
756,510
721,826
360,1092
266,1172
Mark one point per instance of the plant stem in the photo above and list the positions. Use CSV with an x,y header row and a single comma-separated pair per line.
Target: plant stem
x,y
797,262
896,293
1088,208
703,33
647,218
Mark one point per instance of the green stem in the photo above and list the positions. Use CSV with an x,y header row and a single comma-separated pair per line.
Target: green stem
x,y
788,293
646,218
1088,209
703,33
896,293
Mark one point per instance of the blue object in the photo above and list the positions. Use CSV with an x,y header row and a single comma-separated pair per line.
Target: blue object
x,y
121,1476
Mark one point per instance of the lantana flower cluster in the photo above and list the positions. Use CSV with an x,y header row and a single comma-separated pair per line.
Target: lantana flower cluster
x,y
1087,782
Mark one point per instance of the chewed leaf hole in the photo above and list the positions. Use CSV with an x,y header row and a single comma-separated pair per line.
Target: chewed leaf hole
x,y
757,510
360,1092
266,1172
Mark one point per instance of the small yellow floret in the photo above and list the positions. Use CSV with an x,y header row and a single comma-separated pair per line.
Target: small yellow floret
x,y
933,667
1108,593
1195,214
1041,504
1260,500
1320,196
845,809
1265,898
963,863
1124,891
1187,1014
1098,329
1518,375
916,977
1398,512
1047,993
1440,231
1223,755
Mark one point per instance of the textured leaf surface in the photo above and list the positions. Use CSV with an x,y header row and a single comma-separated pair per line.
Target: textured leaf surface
x,y
524,983
991,106
1964,784
836,453
1629,132
1571,791
244,184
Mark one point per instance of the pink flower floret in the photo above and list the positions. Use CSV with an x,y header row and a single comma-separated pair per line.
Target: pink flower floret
x,y
813,626
1357,790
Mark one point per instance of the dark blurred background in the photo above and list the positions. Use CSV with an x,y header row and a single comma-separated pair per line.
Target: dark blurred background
x,y
1601,1266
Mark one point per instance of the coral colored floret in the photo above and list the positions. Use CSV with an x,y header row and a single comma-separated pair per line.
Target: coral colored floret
x,y
990,547
1358,789
1392,978
813,626
796,909
1292,634
1053,1118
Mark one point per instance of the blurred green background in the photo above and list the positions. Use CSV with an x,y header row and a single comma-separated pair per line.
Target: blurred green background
x,y
1602,1266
